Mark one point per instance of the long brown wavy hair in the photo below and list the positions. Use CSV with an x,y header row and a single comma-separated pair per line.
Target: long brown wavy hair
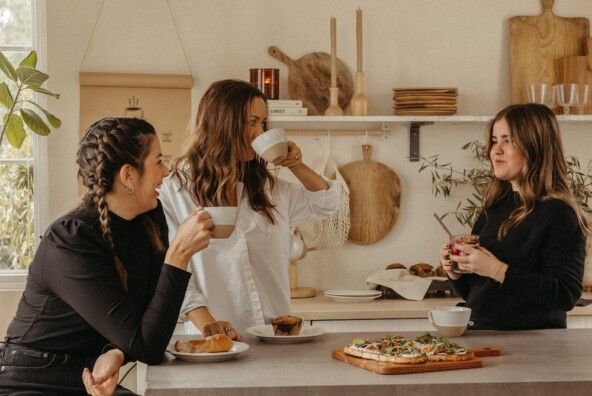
x,y
212,165
106,146
535,133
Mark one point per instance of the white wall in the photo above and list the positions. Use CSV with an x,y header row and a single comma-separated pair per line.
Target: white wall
x,y
460,43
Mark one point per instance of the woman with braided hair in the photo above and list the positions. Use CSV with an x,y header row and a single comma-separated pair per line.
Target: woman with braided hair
x,y
105,286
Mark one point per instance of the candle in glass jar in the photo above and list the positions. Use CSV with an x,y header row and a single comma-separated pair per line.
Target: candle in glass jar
x,y
267,80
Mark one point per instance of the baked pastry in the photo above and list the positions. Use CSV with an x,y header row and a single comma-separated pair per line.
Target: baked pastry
x,y
212,344
395,266
286,325
422,270
441,272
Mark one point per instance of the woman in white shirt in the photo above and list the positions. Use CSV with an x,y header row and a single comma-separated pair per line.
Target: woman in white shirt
x,y
241,281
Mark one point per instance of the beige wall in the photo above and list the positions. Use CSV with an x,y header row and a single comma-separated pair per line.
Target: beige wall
x,y
460,43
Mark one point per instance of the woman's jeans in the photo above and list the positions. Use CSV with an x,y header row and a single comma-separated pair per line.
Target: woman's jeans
x,y
27,371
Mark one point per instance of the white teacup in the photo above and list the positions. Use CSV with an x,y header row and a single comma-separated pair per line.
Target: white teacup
x,y
224,218
271,145
450,321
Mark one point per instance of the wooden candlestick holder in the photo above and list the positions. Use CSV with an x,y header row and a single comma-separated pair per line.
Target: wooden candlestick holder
x,y
359,103
334,108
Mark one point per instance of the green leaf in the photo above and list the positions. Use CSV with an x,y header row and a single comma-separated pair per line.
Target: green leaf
x,y
34,122
6,99
53,120
45,92
30,60
7,67
31,77
15,131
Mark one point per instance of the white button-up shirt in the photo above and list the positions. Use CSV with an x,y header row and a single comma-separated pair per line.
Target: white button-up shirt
x,y
245,278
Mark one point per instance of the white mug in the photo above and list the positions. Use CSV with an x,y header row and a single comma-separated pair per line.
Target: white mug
x,y
297,246
450,321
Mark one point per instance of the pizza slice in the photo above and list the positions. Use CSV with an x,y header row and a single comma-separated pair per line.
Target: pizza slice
x,y
441,349
388,350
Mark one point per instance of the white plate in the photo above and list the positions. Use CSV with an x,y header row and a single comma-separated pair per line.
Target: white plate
x,y
353,293
265,333
345,299
237,348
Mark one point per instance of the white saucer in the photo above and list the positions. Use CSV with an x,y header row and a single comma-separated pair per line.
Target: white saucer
x,y
363,295
237,348
265,333
346,299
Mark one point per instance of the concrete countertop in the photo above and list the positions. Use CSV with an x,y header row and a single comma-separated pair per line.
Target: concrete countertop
x,y
324,308
537,362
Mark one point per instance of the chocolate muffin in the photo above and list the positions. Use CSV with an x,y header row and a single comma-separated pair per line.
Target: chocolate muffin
x,y
286,325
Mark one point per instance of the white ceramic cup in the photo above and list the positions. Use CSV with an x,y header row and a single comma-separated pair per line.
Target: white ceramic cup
x,y
297,246
271,145
224,218
450,321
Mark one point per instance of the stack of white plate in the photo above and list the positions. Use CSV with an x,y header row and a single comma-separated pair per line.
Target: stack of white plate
x,y
353,295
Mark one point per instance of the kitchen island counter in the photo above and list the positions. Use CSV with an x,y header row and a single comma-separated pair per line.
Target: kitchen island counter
x,y
537,362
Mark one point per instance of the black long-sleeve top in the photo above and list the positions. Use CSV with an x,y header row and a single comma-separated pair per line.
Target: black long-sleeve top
x,y
545,256
74,302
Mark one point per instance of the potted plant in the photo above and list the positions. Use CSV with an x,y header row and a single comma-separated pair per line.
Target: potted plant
x,y
445,178
19,113
21,110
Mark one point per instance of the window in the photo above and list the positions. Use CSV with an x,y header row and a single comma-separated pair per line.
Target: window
x,y
20,175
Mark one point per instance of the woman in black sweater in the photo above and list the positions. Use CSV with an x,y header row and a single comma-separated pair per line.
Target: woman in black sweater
x,y
104,286
528,271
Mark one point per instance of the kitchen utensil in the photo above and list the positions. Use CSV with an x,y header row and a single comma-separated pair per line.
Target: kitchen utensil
x,y
309,80
535,43
442,224
375,197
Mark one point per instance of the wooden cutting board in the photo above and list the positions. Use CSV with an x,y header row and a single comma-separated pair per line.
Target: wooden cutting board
x,y
577,69
309,80
396,368
375,196
536,42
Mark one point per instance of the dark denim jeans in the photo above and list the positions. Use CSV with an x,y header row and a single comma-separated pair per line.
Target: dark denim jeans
x,y
27,371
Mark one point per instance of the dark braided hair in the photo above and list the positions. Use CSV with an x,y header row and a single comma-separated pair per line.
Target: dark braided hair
x,y
107,145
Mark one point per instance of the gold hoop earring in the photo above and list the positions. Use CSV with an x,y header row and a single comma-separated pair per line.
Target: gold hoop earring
x,y
129,188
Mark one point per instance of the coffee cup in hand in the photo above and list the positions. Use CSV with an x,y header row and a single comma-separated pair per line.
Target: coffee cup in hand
x,y
224,219
450,321
271,145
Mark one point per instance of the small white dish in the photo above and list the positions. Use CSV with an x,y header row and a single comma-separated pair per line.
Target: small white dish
x,y
237,348
347,299
353,293
265,333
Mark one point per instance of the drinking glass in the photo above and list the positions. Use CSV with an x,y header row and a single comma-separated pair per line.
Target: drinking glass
x,y
582,98
566,96
542,94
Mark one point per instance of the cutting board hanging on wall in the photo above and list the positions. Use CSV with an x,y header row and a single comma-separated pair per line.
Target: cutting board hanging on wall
x,y
536,43
374,198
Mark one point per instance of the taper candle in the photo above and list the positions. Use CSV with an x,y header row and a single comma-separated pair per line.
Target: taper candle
x,y
359,37
333,53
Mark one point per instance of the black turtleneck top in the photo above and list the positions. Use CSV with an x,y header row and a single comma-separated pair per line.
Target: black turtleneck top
x,y
545,256
74,302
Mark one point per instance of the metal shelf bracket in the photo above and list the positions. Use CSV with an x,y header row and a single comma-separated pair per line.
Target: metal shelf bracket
x,y
414,139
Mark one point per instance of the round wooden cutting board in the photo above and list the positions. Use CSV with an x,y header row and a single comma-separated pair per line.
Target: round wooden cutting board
x,y
375,197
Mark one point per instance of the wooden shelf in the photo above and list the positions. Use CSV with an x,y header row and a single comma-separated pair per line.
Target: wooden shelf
x,y
381,125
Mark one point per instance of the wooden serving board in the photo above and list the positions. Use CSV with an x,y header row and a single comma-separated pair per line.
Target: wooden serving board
x,y
578,70
309,80
536,42
396,368
374,198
